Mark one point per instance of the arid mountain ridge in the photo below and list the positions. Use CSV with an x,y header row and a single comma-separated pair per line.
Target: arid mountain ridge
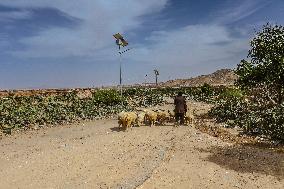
x,y
224,77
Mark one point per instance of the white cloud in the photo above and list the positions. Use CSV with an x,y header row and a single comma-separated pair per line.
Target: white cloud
x,y
196,44
184,52
101,19
192,50
243,10
88,8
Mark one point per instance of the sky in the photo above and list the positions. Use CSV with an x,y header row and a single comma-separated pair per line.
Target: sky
x,y
69,43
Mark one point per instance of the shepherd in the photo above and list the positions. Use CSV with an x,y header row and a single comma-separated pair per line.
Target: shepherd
x,y
180,108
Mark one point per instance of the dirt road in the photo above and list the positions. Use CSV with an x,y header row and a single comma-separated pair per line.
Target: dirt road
x,y
98,155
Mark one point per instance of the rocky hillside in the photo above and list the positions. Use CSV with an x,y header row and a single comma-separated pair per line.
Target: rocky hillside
x,y
223,77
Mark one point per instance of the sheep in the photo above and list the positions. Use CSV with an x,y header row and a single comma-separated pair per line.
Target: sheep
x,y
162,116
126,119
151,116
140,118
121,117
172,115
188,118
130,119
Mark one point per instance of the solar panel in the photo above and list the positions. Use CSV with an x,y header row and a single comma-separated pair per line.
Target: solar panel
x,y
120,40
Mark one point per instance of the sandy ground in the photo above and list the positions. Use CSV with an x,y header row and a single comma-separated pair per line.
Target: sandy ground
x,y
98,155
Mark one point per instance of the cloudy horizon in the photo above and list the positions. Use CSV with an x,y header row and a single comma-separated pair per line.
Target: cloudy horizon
x,y
69,43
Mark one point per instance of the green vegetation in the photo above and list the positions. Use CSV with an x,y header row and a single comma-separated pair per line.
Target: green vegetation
x,y
258,110
23,111
26,111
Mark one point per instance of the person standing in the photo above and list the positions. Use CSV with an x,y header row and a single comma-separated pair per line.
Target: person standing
x,y
180,108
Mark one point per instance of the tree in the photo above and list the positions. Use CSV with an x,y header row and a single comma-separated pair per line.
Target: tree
x,y
266,66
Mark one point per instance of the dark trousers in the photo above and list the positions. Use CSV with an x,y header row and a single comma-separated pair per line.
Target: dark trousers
x,y
179,118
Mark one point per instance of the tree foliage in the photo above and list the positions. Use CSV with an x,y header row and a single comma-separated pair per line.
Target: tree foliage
x,y
260,109
266,68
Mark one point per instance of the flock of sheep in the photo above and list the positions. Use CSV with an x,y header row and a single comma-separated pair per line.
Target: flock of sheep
x,y
150,117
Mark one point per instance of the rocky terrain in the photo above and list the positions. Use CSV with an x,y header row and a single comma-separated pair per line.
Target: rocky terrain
x,y
224,77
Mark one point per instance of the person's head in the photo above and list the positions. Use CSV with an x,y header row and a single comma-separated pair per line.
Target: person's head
x,y
179,93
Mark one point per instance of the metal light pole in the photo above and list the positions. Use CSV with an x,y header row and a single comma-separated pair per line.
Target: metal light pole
x,y
156,74
120,41
146,80
120,72
120,68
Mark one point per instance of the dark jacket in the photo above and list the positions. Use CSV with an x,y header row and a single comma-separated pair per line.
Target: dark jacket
x,y
180,104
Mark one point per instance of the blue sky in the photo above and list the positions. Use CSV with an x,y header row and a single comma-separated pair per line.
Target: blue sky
x,y
69,43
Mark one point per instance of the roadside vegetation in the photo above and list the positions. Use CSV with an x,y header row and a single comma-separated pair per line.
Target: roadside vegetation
x,y
27,111
257,103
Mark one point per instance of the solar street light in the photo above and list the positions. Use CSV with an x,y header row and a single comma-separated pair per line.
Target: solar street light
x,y
156,74
120,41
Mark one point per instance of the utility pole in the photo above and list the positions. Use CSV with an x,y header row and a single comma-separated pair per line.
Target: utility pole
x,y
156,74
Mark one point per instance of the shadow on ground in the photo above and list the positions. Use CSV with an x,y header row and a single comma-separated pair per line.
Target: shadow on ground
x,y
117,129
247,159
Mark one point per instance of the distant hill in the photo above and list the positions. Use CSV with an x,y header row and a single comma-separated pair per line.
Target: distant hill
x,y
224,77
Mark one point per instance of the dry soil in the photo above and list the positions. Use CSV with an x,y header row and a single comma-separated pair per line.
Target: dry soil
x,y
98,155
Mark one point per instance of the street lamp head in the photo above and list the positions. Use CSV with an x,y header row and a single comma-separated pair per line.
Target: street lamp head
x,y
156,72
120,40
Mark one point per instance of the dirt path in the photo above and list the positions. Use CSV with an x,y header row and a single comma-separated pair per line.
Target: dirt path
x,y
98,155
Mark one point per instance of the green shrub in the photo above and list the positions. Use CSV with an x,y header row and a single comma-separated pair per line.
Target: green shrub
x,y
231,93
254,117
229,109
107,97
17,112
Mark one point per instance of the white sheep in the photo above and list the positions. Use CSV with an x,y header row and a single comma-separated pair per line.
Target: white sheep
x,y
151,116
162,116
121,117
188,117
140,119
126,119
172,115
130,119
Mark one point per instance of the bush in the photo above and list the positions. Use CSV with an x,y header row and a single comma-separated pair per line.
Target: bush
x,y
230,104
231,93
252,116
264,121
107,97
262,77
